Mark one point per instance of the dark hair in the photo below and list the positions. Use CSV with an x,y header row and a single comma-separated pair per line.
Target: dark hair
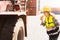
x,y
47,12
16,7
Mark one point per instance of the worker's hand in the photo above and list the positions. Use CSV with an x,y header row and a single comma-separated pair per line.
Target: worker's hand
x,y
41,18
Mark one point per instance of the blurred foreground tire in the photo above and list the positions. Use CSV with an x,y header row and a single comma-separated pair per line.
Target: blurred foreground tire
x,y
20,34
19,31
11,28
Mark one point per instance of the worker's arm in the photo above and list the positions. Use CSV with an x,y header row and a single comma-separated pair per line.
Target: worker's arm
x,y
42,23
56,22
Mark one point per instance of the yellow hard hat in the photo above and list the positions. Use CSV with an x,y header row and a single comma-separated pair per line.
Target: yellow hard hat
x,y
48,9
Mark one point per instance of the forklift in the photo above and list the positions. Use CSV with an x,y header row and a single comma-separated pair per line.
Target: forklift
x,y
13,25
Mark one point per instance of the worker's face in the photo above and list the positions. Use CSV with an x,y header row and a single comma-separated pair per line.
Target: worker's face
x,y
10,7
46,14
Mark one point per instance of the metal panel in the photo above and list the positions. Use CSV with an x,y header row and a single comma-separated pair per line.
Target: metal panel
x,y
31,7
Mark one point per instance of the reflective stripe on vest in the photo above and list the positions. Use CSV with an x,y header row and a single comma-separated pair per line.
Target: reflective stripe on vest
x,y
49,21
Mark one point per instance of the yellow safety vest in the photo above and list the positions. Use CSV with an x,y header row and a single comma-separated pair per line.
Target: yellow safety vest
x,y
49,22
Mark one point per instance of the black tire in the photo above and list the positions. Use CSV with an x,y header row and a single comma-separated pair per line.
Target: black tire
x,y
20,34
8,27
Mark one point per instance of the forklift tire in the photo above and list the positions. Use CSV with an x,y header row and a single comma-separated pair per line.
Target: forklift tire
x,y
19,30
7,32
20,34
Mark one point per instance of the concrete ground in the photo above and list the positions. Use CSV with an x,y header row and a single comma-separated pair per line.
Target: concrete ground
x,y
36,31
